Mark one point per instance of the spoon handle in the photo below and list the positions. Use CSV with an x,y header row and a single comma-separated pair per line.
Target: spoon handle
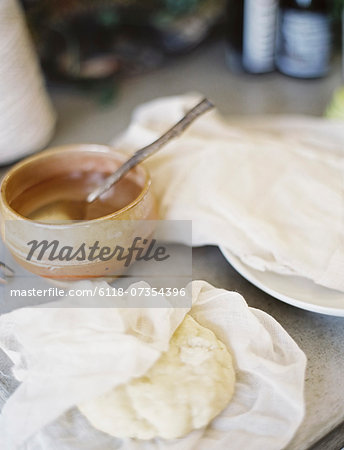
x,y
145,152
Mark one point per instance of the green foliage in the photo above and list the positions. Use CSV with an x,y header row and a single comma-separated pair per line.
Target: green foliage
x,y
337,8
176,7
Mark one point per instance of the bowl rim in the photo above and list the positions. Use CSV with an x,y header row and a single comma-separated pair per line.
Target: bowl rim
x,y
89,148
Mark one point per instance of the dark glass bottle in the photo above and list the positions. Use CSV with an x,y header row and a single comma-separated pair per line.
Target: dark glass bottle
x,y
251,32
304,38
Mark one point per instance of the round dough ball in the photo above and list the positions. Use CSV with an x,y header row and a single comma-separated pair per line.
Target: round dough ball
x,y
184,390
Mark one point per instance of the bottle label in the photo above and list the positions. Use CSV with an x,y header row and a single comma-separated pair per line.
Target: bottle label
x,y
304,43
260,18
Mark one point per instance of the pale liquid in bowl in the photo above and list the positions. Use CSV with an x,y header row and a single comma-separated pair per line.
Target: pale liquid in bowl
x,y
63,198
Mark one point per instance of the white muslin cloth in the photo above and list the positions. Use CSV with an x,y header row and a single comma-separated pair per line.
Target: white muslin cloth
x,y
269,189
65,353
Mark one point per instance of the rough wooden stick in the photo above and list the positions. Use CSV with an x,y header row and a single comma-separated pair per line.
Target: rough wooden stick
x,y
145,152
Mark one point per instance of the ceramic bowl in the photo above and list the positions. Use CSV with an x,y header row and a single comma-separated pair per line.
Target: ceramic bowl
x,y
119,228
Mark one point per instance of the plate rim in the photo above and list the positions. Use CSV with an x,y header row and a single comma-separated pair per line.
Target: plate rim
x,y
245,272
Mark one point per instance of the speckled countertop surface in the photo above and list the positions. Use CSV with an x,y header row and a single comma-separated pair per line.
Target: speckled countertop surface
x,y
321,337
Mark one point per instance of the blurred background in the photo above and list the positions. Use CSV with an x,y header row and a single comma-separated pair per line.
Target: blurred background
x,y
97,42
101,58
90,42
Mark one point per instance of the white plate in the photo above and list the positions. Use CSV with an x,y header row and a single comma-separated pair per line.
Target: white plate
x,y
296,291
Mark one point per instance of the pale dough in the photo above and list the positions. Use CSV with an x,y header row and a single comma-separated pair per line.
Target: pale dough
x,y
186,388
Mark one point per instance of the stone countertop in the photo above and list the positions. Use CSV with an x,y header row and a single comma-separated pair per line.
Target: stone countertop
x,y
321,337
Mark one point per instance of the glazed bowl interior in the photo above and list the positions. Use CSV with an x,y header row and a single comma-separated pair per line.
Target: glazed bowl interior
x,y
70,174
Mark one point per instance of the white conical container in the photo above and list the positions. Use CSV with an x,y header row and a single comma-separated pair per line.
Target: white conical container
x,y
27,118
